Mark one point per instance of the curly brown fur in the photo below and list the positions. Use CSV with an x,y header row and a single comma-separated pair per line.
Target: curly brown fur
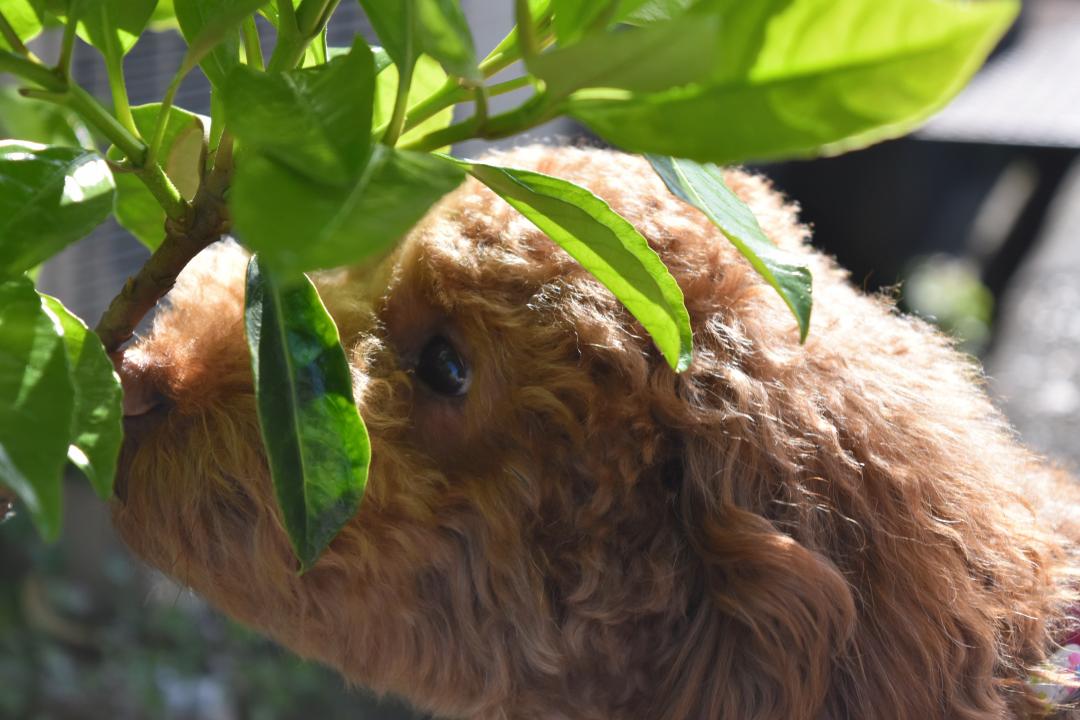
x,y
845,529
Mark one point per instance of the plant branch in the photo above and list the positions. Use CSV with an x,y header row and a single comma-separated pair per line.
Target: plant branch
x,y
67,48
525,29
312,15
163,115
405,73
9,34
114,68
184,239
534,111
296,29
92,112
252,45
33,71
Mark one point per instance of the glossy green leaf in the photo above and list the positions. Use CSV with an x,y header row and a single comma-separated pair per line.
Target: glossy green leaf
x,y
646,12
24,18
428,77
49,197
606,245
703,187
211,28
315,441
96,421
40,122
182,156
164,17
113,26
647,59
574,18
36,403
316,121
408,28
295,223
807,76
444,35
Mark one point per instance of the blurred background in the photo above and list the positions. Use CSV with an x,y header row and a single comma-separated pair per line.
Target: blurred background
x,y
973,222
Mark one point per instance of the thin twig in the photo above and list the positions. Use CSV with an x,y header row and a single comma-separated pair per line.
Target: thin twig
x,y
206,223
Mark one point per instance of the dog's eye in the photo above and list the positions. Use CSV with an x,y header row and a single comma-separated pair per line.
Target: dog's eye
x,y
441,368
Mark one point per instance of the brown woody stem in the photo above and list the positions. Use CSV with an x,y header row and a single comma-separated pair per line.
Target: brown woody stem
x,y
185,238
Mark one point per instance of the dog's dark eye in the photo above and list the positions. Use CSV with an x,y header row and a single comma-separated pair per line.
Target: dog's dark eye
x,y
441,368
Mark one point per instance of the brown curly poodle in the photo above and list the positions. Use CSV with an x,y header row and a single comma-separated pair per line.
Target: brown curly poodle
x,y
559,526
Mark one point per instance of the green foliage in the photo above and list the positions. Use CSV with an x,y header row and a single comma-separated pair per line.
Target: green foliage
x,y
606,245
51,196
112,26
36,403
315,122
41,122
316,442
24,18
183,158
328,157
703,187
96,427
861,71
408,28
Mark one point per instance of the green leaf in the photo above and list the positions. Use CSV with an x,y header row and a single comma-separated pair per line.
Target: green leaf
x,y
646,59
408,28
164,17
444,35
606,245
799,77
574,18
49,197
182,157
40,122
96,421
703,187
211,30
646,12
24,18
315,441
113,26
316,121
428,77
296,223
36,403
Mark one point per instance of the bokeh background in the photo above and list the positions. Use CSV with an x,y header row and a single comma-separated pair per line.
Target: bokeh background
x,y
972,222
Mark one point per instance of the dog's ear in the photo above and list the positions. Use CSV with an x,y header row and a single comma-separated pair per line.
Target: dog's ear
x,y
766,615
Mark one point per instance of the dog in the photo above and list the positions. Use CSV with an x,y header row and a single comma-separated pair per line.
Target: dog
x,y
559,526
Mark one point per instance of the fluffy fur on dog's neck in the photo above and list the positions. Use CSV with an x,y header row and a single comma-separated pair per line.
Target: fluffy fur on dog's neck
x,y
844,529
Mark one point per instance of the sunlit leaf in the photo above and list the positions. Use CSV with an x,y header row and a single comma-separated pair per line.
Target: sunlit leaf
x,y
315,441
802,77
49,197
36,403
703,187
40,122
113,26
606,245
182,157
408,28
211,28
428,76
96,420
642,60
316,121
297,224
24,19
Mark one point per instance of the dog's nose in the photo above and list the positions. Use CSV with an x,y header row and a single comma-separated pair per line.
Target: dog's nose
x,y
142,391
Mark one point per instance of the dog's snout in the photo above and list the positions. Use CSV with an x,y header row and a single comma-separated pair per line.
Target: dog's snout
x,y
142,389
